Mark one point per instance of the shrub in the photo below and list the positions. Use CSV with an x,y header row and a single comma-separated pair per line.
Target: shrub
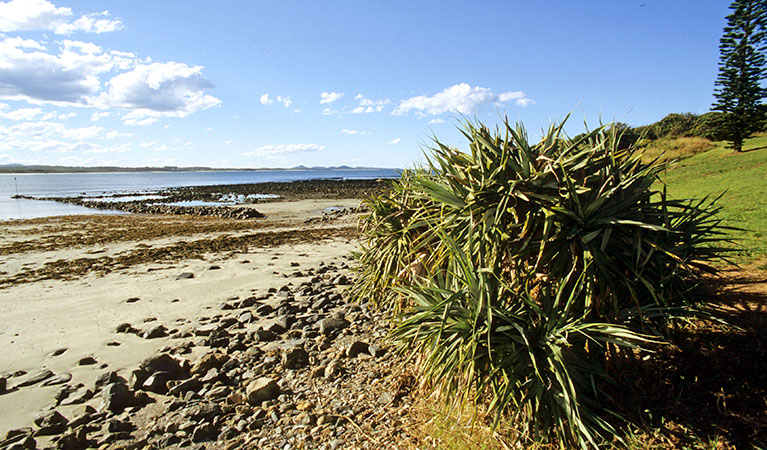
x,y
517,272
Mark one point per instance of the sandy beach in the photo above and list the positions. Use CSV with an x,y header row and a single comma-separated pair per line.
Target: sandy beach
x,y
68,284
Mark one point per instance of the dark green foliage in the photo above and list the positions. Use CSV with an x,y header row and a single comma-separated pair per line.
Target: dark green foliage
x,y
519,272
677,125
739,91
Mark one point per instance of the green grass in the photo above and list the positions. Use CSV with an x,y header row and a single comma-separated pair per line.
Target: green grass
x,y
741,178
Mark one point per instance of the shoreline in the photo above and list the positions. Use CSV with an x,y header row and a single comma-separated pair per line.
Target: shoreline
x,y
210,197
69,285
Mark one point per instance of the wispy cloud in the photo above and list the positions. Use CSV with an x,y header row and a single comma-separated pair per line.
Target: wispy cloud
x,y
394,141
461,98
279,149
100,115
367,106
345,131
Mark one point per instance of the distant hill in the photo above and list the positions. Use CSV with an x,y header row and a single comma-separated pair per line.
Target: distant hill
x,y
21,168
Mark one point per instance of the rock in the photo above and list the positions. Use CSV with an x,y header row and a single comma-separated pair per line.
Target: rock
x,y
58,352
50,422
209,361
79,396
333,369
107,378
120,426
261,390
245,317
117,397
264,336
159,363
205,330
190,385
156,332
355,348
63,393
58,379
214,267
3,385
132,300
279,324
331,325
44,374
87,361
157,382
205,411
124,328
72,441
305,418
204,432
295,358
185,276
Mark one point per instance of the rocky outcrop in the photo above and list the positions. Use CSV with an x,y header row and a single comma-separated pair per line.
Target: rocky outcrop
x,y
307,369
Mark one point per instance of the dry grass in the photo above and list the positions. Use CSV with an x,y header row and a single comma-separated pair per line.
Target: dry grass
x,y
676,148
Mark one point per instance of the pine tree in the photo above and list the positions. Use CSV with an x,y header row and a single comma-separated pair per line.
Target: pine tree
x,y
739,91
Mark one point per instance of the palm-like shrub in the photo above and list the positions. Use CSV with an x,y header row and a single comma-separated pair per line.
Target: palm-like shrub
x,y
518,272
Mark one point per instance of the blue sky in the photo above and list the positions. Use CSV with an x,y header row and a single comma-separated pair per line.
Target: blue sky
x,y
359,83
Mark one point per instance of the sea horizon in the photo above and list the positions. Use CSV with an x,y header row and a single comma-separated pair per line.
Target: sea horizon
x,y
60,184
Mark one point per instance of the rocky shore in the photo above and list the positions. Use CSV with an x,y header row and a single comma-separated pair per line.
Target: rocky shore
x,y
242,197
299,366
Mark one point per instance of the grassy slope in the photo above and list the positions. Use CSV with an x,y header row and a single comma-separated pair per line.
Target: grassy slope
x,y
742,177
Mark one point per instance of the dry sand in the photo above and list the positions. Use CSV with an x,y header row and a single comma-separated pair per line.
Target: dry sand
x,y
82,314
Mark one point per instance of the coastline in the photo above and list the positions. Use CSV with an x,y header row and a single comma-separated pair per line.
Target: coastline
x,y
68,285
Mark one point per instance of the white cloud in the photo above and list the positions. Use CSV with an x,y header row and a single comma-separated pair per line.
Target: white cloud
x,y
67,116
394,141
19,114
271,150
461,98
100,115
327,112
30,73
147,144
266,100
525,102
42,15
159,89
436,121
329,97
345,131
228,141
136,122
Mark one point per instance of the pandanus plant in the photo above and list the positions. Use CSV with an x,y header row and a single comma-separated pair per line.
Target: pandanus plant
x,y
517,272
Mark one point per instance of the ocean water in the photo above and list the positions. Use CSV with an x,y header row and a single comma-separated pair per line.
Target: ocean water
x,y
94,184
